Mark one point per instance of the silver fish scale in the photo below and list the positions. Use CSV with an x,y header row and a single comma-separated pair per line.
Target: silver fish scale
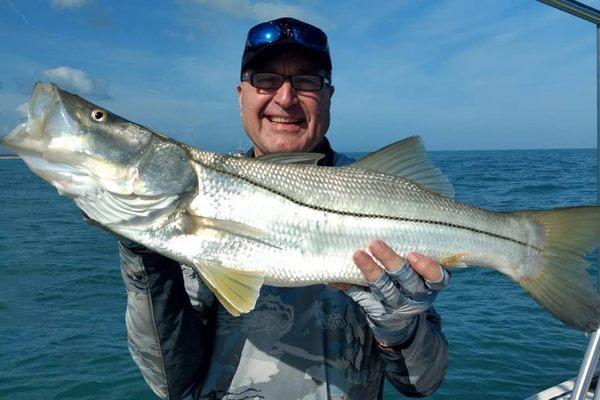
x,y
358,192
317,217
293,224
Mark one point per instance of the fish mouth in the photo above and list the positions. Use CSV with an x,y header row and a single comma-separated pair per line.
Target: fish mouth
x,y
39,143
29,137
14,136
42,106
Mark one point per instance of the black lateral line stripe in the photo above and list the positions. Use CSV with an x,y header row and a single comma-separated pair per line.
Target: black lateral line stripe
x,y
364,215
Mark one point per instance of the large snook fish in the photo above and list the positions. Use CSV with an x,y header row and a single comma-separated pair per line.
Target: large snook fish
x,y
243,222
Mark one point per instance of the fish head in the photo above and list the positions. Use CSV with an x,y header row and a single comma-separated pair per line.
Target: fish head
x,y
81,148
115,170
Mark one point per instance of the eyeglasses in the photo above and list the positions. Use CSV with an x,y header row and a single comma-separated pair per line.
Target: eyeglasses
x,y
279,30
273,81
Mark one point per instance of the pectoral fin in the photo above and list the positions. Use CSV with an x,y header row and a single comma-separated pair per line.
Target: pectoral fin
x,y
196,224
454,260
236,290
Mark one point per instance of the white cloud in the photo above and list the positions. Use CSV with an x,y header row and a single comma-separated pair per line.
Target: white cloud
x,y
78,81
261,10
69,3
190,37
71,77
171,34
9,116
264,11
22,110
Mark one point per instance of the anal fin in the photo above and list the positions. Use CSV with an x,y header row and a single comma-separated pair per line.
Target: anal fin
x,y
236,290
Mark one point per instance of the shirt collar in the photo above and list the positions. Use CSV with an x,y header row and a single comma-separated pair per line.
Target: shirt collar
x,y
323,148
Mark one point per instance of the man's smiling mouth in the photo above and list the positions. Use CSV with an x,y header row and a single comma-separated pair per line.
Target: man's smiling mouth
x,y
285,120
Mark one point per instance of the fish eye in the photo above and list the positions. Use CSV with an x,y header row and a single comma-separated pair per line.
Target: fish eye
x,y
99,115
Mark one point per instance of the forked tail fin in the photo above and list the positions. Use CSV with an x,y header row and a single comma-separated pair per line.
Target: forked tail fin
x,y
563,285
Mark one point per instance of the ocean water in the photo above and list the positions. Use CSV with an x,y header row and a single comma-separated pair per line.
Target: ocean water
x,y
62,303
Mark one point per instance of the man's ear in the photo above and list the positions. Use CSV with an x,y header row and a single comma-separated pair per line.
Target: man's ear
x,y
331,90
239,91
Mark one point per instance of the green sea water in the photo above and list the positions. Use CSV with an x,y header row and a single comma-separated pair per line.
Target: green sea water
x,y
62,302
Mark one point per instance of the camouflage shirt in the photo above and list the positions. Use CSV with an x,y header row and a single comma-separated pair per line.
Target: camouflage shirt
x,y
298,343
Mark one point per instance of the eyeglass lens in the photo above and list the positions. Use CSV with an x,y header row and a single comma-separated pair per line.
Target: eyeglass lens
x,y
267,80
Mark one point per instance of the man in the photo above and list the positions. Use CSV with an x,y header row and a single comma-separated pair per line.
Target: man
x,y
314,342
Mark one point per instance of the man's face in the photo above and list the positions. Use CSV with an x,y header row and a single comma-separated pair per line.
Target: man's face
x,y
285,119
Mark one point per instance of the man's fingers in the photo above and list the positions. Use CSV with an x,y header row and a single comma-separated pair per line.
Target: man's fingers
x,y
426,267
388,257
432,275
367,266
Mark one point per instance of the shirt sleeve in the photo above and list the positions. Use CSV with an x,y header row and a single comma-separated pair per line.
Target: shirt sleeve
x,y
170,340
417,367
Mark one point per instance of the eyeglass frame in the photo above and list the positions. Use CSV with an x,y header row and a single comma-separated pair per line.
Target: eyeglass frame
x,y
248,76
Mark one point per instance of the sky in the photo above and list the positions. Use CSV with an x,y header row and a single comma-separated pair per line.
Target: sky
x,y
463,74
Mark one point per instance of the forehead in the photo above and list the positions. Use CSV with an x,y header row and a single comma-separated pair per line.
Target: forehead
x,y
289,61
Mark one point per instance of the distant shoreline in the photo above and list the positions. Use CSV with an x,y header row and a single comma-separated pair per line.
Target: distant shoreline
x,y
9,156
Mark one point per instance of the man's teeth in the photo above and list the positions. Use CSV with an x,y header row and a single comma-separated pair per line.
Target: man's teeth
x,y
285,120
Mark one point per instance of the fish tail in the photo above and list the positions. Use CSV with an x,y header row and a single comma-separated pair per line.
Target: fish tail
x,y
561,283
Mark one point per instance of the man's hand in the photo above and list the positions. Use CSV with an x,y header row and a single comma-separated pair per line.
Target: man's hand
x,y
396,295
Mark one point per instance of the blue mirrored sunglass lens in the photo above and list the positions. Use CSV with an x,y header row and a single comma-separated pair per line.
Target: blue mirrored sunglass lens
x,y
264,33
310,37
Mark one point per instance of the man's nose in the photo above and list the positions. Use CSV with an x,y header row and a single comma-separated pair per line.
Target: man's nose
x,y
286,95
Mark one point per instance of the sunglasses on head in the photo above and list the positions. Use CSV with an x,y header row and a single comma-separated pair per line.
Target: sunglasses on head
x,y
292,31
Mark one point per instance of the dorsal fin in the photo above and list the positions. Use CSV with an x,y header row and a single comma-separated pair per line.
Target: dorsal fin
x,y
407,158
292,158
